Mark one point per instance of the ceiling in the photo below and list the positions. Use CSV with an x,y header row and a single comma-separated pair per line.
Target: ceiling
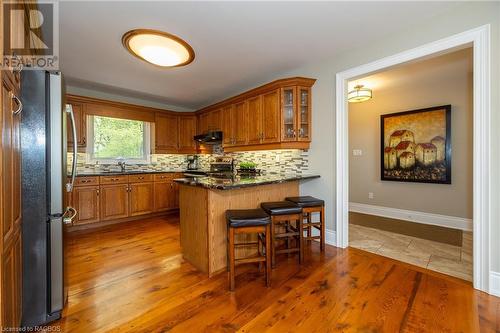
x,y
449,65
238,45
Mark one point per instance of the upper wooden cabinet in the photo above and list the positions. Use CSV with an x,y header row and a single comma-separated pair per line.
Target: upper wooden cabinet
x,y
175,133
187,131
274,116
166,132
210,121
80,124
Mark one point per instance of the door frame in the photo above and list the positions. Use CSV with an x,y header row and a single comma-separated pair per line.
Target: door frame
x,y
480,40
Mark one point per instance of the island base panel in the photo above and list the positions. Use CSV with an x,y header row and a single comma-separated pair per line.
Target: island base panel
x,y
203,222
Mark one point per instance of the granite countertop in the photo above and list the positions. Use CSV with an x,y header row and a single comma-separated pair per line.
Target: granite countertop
x,y
241,181
126,172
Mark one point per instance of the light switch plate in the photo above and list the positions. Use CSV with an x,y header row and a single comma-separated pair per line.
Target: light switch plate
x,y
357,152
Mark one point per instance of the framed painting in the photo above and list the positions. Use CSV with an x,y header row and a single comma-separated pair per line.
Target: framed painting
x,y
416,145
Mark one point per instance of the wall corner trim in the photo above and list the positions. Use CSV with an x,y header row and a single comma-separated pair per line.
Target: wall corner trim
x,y
413,216
495,283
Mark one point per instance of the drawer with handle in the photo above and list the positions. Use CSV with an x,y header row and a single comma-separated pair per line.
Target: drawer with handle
x,y
86,181
120,179
161,177
140,178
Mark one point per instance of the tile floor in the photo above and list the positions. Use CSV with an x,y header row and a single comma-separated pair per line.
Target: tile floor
x,y
440,257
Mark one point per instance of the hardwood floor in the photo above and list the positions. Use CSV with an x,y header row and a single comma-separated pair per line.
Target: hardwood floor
x,y
132,278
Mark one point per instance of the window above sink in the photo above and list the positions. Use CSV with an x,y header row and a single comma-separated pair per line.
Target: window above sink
x,y
111,140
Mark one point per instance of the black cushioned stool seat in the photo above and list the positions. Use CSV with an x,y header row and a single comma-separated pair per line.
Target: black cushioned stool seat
x,y
306,201
281,208
311,205
286,225
250,222
247,218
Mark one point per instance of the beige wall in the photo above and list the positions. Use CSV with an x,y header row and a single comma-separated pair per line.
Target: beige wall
x,y
465,16
420,85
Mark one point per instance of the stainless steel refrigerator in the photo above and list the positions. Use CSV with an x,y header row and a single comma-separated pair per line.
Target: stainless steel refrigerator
x,y
44,206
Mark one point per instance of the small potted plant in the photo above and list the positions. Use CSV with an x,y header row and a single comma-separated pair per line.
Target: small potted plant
x,y
248,167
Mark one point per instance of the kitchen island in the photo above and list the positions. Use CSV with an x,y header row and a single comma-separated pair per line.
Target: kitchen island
x,y
203,203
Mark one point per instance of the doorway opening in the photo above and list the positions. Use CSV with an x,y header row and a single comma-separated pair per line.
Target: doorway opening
x,y
479,39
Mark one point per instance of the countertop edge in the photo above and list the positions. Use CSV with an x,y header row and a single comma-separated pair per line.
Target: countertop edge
x,y
238,186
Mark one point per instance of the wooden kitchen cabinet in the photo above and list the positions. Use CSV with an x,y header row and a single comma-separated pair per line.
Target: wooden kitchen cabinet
x,y
276,115
10,212
123,197
254,108
85,199
141,196
187,131
296,113
80,124
227,126
271,126
164,196
214,121
210,121
114,201
166,132
166,192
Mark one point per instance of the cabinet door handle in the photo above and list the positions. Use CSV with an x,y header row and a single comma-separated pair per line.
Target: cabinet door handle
x,y
97,191
19,105
140,177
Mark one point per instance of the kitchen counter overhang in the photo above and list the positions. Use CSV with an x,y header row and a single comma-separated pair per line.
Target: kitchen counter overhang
x,y
242,181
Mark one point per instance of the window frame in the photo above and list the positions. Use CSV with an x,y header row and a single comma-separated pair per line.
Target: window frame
x,y
146,147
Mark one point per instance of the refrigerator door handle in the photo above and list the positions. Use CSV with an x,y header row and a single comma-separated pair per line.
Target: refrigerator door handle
x,y
69,111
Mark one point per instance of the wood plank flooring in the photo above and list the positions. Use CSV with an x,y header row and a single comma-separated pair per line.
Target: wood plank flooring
x,y
131,278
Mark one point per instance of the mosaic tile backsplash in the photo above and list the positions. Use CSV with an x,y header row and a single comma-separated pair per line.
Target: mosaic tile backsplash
x,y
269,161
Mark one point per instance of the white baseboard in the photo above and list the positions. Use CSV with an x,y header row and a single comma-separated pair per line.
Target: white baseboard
x,y
413,216
495,283
330,237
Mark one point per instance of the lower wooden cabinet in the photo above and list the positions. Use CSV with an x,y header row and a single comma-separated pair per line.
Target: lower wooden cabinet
x,y
118,197
114,201
141,196
12,283
85,200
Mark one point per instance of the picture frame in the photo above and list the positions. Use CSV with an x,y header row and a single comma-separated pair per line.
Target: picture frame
x,y
416,146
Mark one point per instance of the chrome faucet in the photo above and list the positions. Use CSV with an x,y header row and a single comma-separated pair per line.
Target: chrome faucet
x,y
122,165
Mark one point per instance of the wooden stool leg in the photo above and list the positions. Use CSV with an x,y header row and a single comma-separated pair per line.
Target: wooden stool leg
x,y
231,259
273,244
323,228
308,227
301,238
268,255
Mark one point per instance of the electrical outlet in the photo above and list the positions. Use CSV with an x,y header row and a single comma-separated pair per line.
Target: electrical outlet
x,y
370,195
357,152
278,157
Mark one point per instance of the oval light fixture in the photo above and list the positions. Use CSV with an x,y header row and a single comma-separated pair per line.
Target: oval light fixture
x,y
158,48
359,94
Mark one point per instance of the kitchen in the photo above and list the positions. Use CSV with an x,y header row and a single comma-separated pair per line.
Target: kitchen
x,y
176,169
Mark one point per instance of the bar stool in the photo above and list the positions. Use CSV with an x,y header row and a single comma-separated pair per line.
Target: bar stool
x,y
249,221
311,205
283,213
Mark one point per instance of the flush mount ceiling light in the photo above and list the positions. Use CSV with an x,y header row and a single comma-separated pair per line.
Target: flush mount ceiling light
x,y
359,94
158,48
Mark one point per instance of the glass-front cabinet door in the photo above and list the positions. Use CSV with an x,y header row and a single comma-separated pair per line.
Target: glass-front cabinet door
x,y
304,114
289,114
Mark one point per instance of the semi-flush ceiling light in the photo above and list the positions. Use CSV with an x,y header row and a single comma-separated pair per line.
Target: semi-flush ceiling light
x,y
359,94
158,48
